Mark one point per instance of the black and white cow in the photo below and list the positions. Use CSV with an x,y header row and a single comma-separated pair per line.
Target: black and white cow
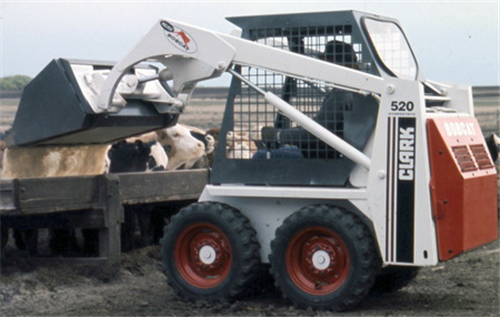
x,y
182,148
137,156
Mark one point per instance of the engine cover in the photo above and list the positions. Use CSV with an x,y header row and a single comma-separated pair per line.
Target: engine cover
x,y
463,186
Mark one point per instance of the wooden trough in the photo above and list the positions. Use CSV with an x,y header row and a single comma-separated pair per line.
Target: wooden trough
x,y
92,202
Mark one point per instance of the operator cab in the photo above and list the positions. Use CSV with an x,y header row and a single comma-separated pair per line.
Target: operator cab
x,y
259,145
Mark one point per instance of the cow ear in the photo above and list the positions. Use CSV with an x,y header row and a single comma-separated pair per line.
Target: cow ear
x,y
139,145
162,134
120,144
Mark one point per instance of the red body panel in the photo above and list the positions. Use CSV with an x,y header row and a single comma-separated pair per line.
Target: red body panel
x,y
463,186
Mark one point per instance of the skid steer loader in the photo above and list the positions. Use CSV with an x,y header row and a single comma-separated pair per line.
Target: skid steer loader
x,y
339,166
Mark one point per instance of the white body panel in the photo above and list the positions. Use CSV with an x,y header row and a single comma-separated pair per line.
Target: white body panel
x,y
383,177
267,207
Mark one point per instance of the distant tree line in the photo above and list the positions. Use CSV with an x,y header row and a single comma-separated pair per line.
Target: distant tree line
x,y
17,82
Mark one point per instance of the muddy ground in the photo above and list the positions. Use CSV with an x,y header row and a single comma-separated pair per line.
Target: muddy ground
x,y
464,286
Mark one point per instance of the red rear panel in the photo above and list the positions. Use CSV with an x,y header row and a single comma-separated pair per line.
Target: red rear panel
x,y
463,186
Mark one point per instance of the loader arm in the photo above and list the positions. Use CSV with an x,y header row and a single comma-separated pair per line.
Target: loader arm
x,y
190,53
199,54
300,66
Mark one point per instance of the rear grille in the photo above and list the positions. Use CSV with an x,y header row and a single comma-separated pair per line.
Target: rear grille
x,y
464,158
481,156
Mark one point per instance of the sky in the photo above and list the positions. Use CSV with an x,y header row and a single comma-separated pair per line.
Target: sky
x,y
454,41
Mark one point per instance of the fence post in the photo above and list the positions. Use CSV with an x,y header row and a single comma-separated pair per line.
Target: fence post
x,y
109,236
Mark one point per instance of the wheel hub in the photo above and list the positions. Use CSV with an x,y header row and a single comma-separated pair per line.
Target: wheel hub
x,y
207,255
203,255
317,260
321,260
320,257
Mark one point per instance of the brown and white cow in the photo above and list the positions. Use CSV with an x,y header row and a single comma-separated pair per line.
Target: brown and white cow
x,y
55,161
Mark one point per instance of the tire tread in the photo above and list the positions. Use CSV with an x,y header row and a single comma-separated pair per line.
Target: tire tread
x,y
247,244
369,260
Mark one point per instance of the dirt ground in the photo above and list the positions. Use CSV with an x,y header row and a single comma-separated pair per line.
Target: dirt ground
x,y
465,286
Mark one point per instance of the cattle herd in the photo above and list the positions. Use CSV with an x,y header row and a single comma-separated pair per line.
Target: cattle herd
x,y
173,148
177,147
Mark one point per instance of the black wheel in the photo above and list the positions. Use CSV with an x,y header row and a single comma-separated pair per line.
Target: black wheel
x,y
324,257
394,278
210,252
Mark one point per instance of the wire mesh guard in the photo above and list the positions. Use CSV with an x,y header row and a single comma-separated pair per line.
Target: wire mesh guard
x,y
259,130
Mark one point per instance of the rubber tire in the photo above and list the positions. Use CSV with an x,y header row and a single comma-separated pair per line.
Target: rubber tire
x,y
359,246
394,278
243,249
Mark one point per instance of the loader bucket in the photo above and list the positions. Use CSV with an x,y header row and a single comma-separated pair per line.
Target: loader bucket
x,y
53,110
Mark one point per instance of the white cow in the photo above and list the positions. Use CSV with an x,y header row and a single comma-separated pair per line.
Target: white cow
x,y
183,150
240,146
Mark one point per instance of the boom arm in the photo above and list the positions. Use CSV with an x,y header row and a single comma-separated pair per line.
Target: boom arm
x,y
193,54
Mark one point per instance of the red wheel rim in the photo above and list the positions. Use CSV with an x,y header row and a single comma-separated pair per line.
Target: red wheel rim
x,y
203,255
317,260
